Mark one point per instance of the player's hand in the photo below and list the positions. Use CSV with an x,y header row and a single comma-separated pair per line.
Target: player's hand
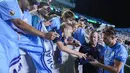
x,y
94,62
50,35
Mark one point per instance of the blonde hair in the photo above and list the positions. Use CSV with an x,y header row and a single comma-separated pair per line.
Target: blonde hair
x,y
67,14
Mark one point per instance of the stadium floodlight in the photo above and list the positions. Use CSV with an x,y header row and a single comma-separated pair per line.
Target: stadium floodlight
x,y
52,8
92,21
76,16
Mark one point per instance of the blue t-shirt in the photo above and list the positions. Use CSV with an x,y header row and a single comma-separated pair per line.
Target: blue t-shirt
x,y
55,24
97,53
79,35
117,52
35,20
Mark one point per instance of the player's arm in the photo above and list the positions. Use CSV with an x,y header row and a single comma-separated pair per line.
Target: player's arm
x,y
29,29
64,48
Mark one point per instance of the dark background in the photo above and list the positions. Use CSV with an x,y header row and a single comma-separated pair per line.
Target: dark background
x,y
116,12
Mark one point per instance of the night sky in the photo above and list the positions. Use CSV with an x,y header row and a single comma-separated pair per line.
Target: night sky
x,y
116,12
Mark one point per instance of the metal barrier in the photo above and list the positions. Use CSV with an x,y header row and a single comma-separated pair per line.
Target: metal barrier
x,y
127,65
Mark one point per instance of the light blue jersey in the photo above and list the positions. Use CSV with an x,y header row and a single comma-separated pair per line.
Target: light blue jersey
x,y
48,62
9,50
9,9
35,47
79,35
26,17
4,63
117,52
55,24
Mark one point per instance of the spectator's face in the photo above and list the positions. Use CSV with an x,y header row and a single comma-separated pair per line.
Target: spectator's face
x,y
94,38
82,22
75,28
68,20
32,7
44,10
68,31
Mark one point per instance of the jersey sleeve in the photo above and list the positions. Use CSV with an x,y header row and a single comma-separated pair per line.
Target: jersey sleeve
x,y
9,9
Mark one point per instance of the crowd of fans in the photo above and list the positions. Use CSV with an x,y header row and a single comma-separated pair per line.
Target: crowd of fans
x,y
36,38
